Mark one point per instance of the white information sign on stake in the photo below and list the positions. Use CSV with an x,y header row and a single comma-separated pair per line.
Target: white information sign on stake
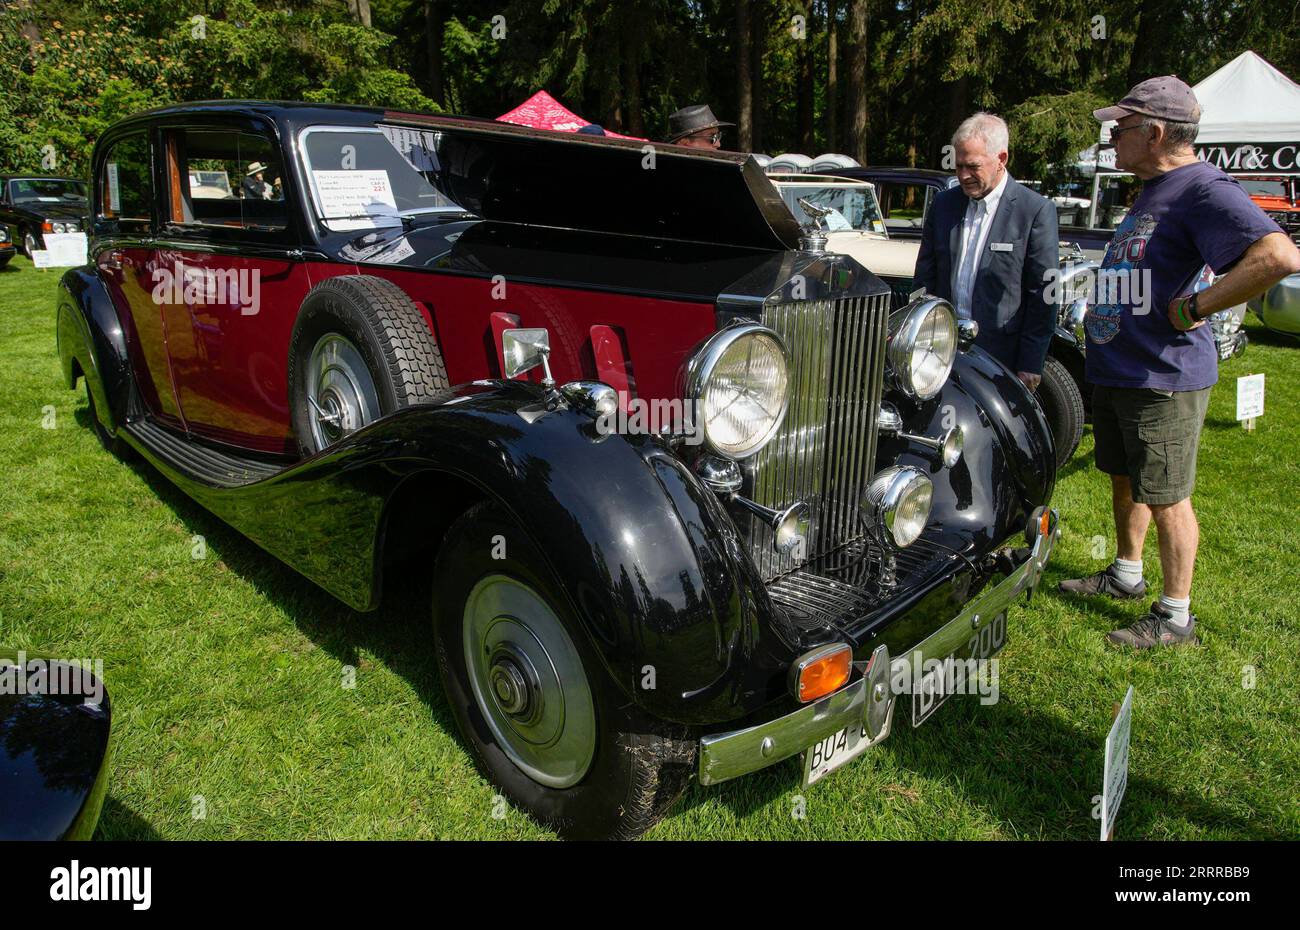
x,y
40,258
65,250
1250,399
1115,771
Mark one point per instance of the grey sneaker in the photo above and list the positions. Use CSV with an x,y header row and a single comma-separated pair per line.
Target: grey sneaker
x,y
1105,582
1154,629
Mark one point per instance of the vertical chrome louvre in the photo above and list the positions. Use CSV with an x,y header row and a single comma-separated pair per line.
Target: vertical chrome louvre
x,y
824,453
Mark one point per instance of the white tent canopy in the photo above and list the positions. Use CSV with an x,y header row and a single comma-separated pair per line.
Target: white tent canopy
x,y
1248,100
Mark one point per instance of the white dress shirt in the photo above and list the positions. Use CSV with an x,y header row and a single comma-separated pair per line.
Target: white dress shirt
x,y
975,227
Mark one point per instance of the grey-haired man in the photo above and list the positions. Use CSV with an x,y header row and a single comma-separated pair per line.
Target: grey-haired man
x,y
1152,360
989,246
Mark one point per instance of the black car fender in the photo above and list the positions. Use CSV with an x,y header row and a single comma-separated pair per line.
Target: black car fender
x,y
90,334
1008,464
652,563
650,560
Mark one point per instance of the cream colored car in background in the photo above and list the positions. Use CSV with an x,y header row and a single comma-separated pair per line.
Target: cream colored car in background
x,y
854,226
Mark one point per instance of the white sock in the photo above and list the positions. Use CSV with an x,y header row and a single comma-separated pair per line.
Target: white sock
x,y
1127,571
1177,608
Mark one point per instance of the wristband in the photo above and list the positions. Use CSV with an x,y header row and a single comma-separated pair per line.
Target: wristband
x,y
1193,307
1182,313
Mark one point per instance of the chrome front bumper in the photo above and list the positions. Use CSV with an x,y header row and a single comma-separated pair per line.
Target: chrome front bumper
x,y
724,756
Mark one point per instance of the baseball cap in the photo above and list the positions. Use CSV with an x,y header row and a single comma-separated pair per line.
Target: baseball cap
x,y
1163,97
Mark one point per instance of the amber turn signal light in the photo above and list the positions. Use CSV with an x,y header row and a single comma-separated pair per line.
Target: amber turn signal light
x,y
820,672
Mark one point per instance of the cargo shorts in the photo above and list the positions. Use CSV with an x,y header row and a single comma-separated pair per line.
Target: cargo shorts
x,y
1151,436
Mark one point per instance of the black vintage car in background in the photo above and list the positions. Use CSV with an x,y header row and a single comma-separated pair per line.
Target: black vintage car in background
x,y
31,206
426,375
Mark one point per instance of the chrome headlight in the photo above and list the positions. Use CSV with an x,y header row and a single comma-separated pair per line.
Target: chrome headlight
x,y
60,228
897,504
922,346
739,384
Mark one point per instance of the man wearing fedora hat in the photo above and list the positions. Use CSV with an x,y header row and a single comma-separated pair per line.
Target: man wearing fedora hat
x,y
1150,357
255,187
696,127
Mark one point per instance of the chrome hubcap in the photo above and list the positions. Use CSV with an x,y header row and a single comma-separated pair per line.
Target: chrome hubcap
x,y
528,682
340,390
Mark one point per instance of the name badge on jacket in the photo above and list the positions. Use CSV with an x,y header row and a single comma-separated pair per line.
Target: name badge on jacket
x,y
999,246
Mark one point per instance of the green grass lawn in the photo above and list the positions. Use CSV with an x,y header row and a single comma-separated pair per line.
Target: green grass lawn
x,y
227,671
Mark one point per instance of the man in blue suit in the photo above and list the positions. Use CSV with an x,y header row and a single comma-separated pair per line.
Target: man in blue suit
x,y
990,248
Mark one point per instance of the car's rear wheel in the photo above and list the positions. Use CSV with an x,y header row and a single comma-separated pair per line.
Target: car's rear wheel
x,y
1062,402
535,707
360,350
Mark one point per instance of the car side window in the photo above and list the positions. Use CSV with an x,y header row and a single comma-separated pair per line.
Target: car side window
x,y
224,179
904,205
126,185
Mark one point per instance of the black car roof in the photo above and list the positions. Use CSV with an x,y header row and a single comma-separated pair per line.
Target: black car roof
x,y
651,203
296,113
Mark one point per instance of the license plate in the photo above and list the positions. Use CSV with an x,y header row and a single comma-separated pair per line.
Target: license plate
x,y
822,758
941,682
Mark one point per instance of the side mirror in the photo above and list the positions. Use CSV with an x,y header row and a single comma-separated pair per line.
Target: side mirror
x,y
525,349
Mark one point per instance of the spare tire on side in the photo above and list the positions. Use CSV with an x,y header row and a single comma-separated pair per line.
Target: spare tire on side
x,y
360,350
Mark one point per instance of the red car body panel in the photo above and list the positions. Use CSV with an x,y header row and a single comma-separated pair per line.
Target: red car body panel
x,y
220,368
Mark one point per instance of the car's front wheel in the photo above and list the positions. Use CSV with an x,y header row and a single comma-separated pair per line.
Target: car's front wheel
x,y
1062,402
535,706
30,243
360,350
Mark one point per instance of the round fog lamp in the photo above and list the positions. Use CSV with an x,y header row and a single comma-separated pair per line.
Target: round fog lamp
x,y
953,442
898,504
792,531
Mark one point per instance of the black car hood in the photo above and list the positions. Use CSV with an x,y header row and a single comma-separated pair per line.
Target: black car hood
x,y
55,211
597,184
695,271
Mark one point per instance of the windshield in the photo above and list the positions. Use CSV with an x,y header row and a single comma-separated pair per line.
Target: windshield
x,y
851,207
364,178
1265,187
46,190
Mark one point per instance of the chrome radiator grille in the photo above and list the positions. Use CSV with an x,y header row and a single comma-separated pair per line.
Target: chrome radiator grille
x,y
824,453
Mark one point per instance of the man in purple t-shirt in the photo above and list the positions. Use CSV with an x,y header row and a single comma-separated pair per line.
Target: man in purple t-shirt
x,y
1150,356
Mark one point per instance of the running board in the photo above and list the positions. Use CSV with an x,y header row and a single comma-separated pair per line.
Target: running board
x,y
203,463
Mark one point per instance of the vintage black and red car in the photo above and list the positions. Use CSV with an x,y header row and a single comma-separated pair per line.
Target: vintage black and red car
x,y
693,499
